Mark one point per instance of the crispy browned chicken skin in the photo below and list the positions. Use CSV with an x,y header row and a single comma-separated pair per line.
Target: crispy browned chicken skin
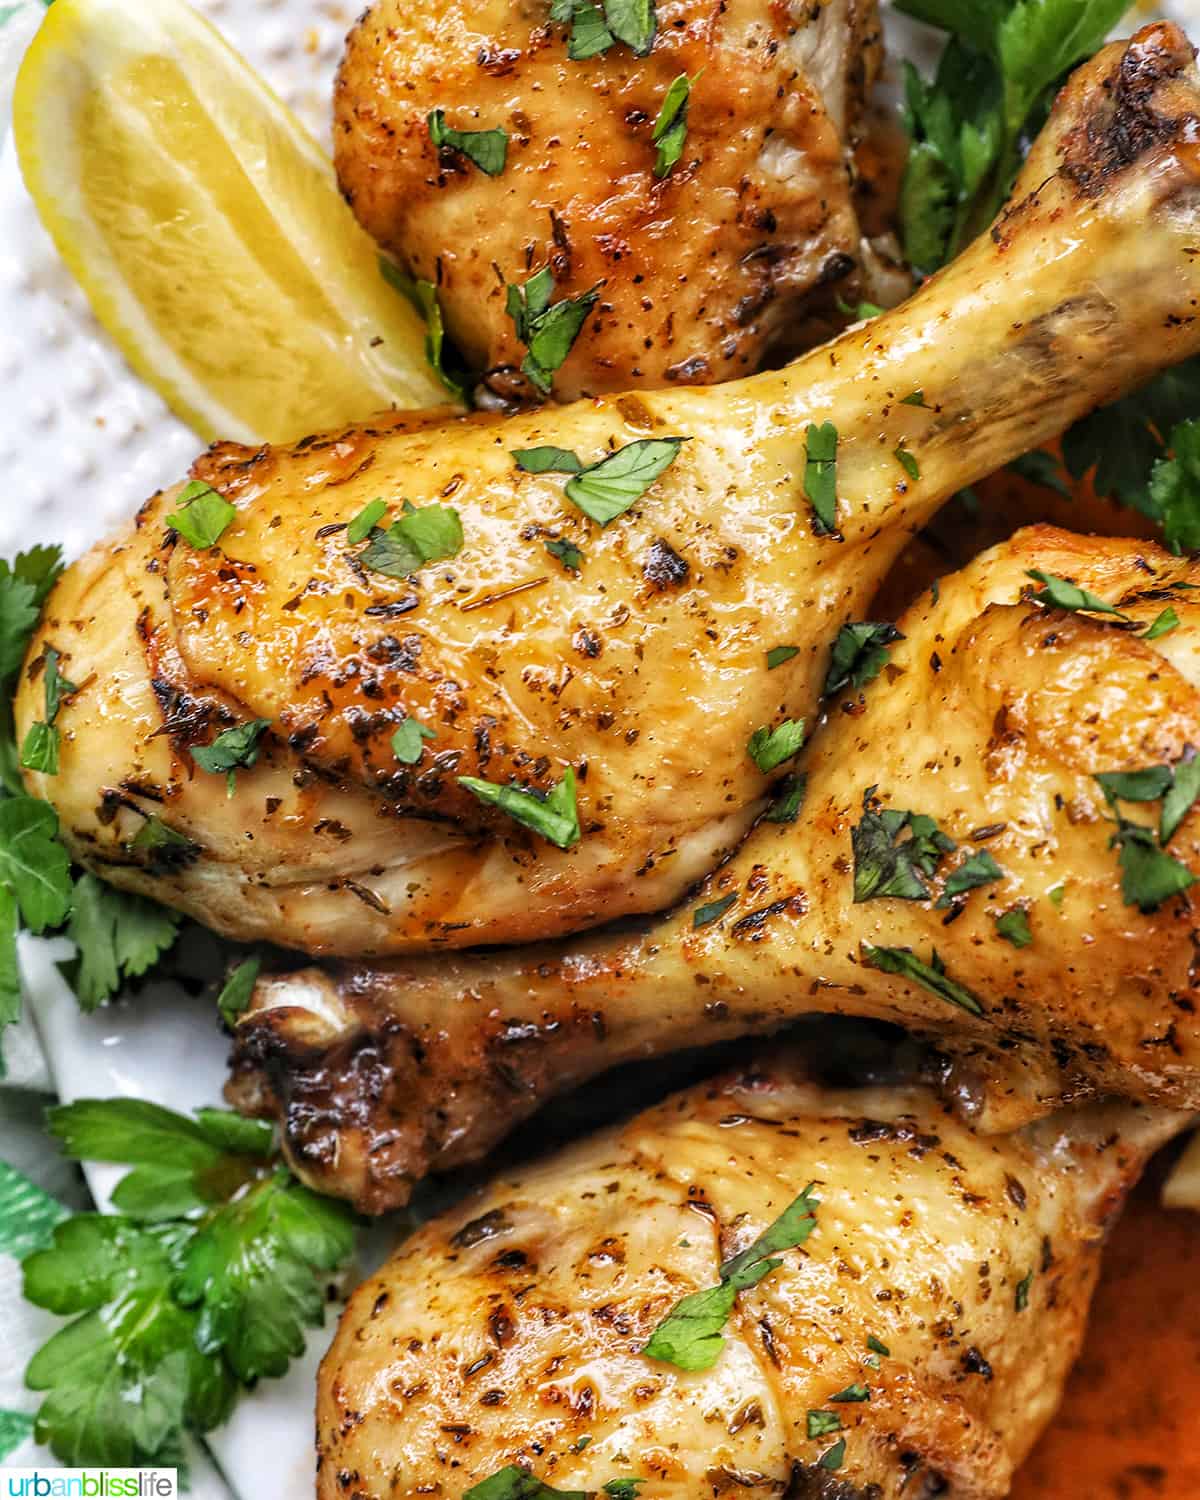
x,y
993,717
698,272
647,671
508,1331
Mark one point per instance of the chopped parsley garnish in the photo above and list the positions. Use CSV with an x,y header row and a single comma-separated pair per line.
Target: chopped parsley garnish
x,y
547,329
516,1483
777,655
670,129
165,848
40,750
822,1423
908,462
852,1393
1013,927
24,585
118,937
428,534
691,1335
859,312
567,553
408,742
876,1346
554,816
769,748
547,461
970,126
914,398
589,35
1167,621
1021,1297
888,867
366,521
236,992
1060,594
605,490
788,802
931,976
423,298
1151,876
860,653
231,750
976,870
820,476
203,515
488,149
705,916
202,1282
833,1457
632,22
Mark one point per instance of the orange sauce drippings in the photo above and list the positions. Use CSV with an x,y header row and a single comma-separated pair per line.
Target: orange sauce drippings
x,y
1129,1425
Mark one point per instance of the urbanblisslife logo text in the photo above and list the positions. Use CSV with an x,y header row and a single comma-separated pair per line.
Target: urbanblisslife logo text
x,y
90,1484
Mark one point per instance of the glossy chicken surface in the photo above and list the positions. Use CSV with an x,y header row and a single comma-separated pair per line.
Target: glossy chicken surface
x,y
992,717
509,1331
647,672
698,272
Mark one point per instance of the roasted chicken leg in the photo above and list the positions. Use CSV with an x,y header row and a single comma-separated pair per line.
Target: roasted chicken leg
x,y
928,1322
992,718
696,273
643,667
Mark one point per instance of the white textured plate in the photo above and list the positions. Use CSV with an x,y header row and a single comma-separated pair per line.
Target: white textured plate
x,y
82,443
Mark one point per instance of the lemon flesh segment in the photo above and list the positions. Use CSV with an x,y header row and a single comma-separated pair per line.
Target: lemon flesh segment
x,y
206,227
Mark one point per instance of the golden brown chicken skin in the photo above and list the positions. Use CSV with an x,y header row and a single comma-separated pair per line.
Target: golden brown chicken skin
x,y
697,272
510,1330
645,669
992,718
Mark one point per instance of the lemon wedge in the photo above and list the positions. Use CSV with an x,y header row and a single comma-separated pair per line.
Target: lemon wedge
x,y
206,227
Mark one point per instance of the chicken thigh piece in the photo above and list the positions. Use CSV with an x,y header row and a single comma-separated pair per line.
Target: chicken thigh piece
x,y
641,666
696,273
954,868
927,1323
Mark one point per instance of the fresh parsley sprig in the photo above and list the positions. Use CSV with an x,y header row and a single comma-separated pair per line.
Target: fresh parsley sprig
x,y
1150,876
202,1283
614,484
547,329
40,749
691,1336
970,125
887,866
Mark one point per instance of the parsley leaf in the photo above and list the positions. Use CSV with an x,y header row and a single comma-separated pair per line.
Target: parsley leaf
x,y
1175,489
1058,593
203,515
420,536
366,521
859,655
887,869
1021,1295
820,476
119,936
832,1457
423,298
908,462
607,489
40,750
769,748
976,870
547,329
821,1423
24,585
514,1483
1041,469
554,816
547,461
1180,798
252,1271
567,553
623,1489
1165,623
236,992
33,862
787,804
777,655
1150,876
589,34
852,1393
164,848
930,976
670,129
969,126
488,149
632,22
713,911
1013,927
408,741
232,749
691,1335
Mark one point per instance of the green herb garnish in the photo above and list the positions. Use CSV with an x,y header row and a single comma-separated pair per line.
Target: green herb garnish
x,y
930,976
488,149
886,867
203,515
548,330
670,129
232,750
860,653
769,748
1013,927
820,476
408,742
554,816
607,489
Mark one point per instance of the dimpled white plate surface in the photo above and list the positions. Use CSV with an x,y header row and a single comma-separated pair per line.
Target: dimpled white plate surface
x,y
82,443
